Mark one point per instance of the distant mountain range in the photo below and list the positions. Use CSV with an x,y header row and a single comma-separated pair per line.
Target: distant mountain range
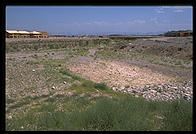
x,y
111,33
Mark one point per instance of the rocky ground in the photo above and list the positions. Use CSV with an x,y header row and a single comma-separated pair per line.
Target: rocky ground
x,y
133,80
163,92
49,80
140,77
130,75
116,73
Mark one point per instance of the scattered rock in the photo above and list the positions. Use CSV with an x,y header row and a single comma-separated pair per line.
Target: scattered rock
x,y
10,117
122,47
153,91
159,117
70,93
122,88
33,70
82,95
114,88
175,87
161,91
136,96
64,82
53,87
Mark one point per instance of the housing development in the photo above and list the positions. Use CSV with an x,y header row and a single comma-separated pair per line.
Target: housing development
x,y
25,34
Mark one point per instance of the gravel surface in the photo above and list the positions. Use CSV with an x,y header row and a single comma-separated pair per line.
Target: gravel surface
x,y
26,76
164,92
118,73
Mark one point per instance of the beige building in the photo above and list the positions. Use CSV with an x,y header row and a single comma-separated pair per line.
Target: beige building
x,y
185,33
25,34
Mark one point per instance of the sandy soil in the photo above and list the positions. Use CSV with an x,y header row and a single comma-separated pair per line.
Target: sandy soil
x,y
116,73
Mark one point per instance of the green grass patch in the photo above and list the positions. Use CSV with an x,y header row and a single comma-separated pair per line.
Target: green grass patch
x,y
127,86
84,87
32,62
88,83
104,114
69,73
8,101
19,104
81,53
101,86
89,86
11,59
38,97
51,99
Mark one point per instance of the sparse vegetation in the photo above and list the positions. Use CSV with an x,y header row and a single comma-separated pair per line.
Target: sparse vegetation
x,y
106,114
42,93
101,86
69,73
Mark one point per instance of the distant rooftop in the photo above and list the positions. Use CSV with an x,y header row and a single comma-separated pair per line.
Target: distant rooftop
x,y
15,31
22,32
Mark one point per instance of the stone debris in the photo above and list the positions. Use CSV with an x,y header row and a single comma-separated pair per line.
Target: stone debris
x,y
114,88
33,70
53,87
69,93
160,91
122,88
159,117
82,95
10,117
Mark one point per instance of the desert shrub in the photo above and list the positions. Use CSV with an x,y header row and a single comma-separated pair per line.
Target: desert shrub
x,y
57,46
51,46
35,47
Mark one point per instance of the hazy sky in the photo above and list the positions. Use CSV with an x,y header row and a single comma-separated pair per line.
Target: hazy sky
x,y
99,19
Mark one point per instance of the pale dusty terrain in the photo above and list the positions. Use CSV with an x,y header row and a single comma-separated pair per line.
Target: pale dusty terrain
x,y
118,73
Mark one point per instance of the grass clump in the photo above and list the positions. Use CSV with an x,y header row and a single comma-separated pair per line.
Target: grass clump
x,y
101,86
178,116
32,62
88,83
69,73
8,101
127,86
